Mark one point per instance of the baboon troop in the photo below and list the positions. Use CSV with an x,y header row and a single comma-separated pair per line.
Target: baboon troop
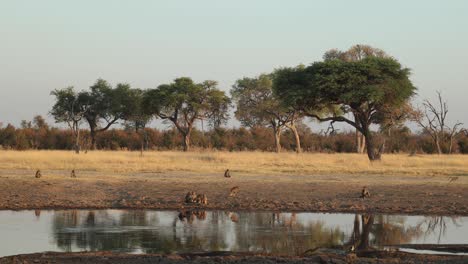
x,y
73,175
192,197
38,174
227,174
234,191
365,193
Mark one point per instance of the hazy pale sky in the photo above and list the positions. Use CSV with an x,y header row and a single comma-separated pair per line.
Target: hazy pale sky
x,y
51,44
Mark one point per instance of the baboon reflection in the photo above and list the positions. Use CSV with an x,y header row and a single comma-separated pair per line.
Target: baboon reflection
x,y
191,215
37,213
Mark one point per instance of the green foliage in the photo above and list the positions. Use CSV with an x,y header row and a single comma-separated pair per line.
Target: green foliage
x,y
371,89
68,106
184,102
256,103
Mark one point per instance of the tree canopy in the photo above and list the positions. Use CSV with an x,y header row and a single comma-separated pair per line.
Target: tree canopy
x,y
258,106
367,88
184,102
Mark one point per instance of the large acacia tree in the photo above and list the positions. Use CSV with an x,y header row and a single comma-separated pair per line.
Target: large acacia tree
x,y
258,106
356,53
369,89
105,106
184,102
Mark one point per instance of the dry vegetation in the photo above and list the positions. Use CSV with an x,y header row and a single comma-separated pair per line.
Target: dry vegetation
x,y
246,163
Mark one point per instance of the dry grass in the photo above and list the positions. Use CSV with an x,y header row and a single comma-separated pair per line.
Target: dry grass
x,y
258,163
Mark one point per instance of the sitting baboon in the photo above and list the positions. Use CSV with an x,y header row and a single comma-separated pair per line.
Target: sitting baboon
x,y
73,175
201,199
365,193
38,174
190,197
227,174
234,191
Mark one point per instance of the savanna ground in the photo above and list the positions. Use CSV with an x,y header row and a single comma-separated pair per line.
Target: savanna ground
x,y
400,184
421,184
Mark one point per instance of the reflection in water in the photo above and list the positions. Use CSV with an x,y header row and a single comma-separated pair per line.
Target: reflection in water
x,y
438,225
198,230
192,230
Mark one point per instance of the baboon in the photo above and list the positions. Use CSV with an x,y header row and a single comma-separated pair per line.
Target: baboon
x,y
452,179
38,174
365,193
234,191
201,199
190,197
227,174
73,175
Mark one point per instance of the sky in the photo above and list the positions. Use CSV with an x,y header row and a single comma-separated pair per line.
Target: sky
x,y
50,44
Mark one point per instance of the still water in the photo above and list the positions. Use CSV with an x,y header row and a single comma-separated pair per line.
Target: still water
x,y
138,231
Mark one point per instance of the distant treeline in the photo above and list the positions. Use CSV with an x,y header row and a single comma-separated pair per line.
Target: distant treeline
x,y
362,87
37,134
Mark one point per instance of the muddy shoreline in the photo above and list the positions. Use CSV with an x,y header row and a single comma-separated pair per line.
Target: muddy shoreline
x,y
166,192
229,257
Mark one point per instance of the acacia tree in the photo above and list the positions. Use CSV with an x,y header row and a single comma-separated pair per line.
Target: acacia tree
x,y
105,106
136,118
433,119
356,53
368,89
68,108
258,106
184,102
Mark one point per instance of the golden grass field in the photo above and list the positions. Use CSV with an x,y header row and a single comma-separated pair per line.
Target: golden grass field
x,y
258,163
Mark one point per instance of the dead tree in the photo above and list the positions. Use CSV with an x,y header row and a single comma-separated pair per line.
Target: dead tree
x,y
433,119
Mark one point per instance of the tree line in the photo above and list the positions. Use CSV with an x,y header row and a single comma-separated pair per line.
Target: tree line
x,y
362,87
39,135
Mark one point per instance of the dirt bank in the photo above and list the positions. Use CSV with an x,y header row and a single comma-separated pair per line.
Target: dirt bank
x,y
400,195
106,257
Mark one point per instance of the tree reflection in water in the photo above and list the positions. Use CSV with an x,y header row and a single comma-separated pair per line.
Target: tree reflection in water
x,y
197,230
438,225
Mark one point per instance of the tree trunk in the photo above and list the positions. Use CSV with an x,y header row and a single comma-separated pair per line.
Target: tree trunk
x,y
437,143
186,141
360,142
92,131
298,139
93,138
277,132
372,152
77,146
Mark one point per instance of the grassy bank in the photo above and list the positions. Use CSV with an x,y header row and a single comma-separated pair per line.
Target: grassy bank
x,y
258,163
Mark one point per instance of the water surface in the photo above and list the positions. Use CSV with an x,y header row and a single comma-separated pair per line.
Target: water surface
x,y
149,231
